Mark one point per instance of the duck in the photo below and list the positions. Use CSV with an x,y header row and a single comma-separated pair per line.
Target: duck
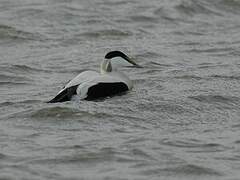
x,y
93,85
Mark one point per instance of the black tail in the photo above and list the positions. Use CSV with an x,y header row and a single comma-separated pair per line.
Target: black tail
x,y
65,95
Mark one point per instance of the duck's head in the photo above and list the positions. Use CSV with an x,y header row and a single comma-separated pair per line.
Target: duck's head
x,y
116,59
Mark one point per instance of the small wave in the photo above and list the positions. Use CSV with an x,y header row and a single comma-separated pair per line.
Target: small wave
x,y
20,69
193,145
167,14
11,33
14,80
207,65
14,83
184,170
194,7
9,103
59,112
24,68
9,158
148,54
236,77
210,50
3,156
140,153
187,33
189,77
145,19
160,64
16,74
116,3
230,6
237,141
215,99
172,108
106,33
6,103
63,112
184,11
100,156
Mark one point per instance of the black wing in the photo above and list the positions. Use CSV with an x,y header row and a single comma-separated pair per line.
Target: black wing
x,y
65,95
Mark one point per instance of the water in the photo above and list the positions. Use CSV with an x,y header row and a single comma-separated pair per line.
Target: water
x,y
181,120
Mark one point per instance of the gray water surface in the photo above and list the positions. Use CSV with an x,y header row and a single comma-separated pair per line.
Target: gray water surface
x,y
181,120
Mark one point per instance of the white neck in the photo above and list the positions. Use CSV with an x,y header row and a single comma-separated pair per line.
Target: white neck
x,y
106,66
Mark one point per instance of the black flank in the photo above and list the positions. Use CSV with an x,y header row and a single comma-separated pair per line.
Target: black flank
x,y
101,90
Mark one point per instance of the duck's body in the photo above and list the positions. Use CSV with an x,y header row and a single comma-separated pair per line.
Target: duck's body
x,y
91,85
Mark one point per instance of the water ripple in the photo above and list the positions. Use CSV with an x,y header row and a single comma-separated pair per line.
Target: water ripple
x,y
21,69
106,34
194,7
215,99
55,112
193,145
11,33
184,170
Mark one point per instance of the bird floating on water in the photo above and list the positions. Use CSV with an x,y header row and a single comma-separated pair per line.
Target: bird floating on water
x,y
91,85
